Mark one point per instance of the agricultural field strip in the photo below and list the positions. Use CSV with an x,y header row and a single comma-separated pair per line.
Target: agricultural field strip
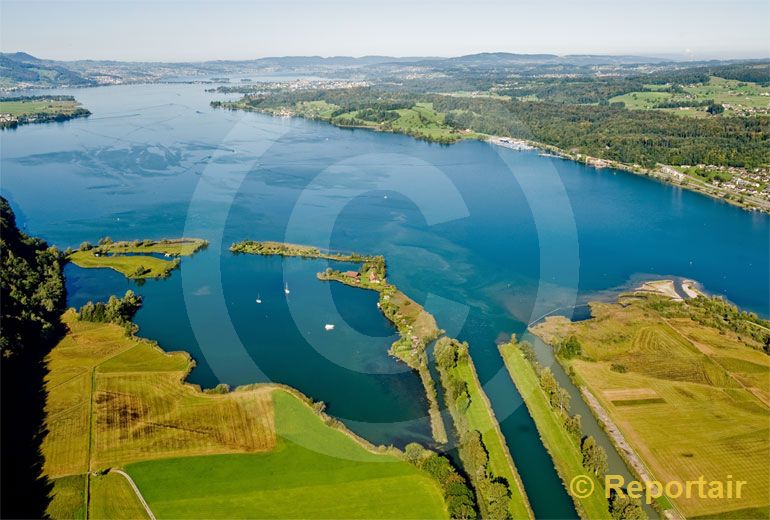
x,y
630,326
138,493
716,361
563,450
622,446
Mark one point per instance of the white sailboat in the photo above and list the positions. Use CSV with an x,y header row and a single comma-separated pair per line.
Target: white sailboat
x,y
259,298
329,326
286,289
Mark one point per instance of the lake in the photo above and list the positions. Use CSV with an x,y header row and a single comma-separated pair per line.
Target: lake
x,y
488,239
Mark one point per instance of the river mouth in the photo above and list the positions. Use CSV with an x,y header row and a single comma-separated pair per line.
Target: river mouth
x,y
132,169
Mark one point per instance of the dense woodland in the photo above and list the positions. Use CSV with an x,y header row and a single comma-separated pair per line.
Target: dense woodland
x,y
608,131
32,292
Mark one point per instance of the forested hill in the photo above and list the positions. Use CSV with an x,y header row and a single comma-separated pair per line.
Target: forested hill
x,y
32,298
32,288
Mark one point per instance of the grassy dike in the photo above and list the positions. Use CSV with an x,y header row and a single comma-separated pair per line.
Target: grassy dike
x,y
482,446
416,327
561,446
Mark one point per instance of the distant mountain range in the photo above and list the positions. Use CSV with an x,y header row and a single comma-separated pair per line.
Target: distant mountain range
x,y
21,70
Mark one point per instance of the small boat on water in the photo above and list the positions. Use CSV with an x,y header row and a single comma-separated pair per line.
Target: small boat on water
x,y
259,299
286,289
329,326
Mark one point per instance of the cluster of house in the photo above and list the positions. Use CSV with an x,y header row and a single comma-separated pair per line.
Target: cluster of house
x,y
355,275
7,120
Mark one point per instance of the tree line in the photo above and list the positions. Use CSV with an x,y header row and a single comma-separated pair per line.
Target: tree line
x,y
33,297
594,456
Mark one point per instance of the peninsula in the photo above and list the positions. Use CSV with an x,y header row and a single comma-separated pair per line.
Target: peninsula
x,y
680,385
15,111
137,259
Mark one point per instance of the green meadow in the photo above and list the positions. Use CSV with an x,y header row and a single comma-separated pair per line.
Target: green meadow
x,y
314,472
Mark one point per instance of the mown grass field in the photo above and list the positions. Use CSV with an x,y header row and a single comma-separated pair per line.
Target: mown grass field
x,y
117,401
38,106
113,399
314,472
420,121
174,247
68,498
480,417
564,450
134,259
737,96
128,266
689,399
112,497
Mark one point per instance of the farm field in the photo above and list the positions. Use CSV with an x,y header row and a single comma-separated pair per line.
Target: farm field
x,y
738,98
314,472
114,400
420,120
38,106
691,399
564,450
111,496
68,497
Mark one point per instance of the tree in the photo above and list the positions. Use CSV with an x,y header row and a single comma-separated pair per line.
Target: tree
x,y
623,507
573,426
446,354
496,497
715,109
85,246
413,452
475,456
560,401
32,298
139,271
528,351
569,348
117,310
594,457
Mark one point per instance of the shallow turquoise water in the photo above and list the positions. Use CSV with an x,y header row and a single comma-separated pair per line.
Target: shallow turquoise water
x,y
489,239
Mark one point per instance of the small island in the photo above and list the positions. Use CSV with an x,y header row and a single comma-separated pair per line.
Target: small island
x,y
15,111
137,259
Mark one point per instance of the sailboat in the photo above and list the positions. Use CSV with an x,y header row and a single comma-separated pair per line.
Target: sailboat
x,y
286,289
259,299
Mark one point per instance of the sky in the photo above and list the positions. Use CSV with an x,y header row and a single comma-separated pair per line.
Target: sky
x,y
192,30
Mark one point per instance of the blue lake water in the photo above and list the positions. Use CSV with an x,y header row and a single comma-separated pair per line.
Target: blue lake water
x,y
489,239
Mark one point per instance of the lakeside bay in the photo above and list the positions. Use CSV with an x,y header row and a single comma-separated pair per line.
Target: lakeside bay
x,y
131,170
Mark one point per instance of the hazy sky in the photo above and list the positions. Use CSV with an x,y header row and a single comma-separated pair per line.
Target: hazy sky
x,y
176,30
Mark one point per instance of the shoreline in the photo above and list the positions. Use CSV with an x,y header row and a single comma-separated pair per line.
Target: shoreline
x,y
665,174
415,326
